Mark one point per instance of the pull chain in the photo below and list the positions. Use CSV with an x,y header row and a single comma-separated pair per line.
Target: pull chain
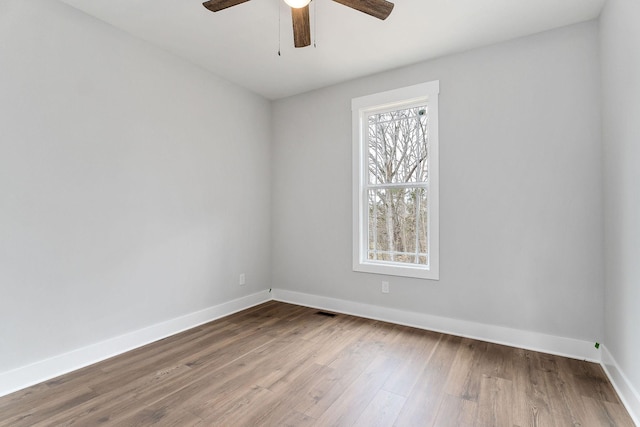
x,y
279,26
315,26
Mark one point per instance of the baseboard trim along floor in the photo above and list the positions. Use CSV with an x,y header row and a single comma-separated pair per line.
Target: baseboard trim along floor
x,y
560,346
628,394
285,364
44,370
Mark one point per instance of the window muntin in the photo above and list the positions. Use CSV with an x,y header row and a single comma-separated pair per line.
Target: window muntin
x,y
395,182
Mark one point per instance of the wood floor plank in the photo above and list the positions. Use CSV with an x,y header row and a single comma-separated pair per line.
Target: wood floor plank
x,y
164,417
495,403
48,405
241,377
296,419
382,411
279,364
348,360
618,414
112,401
567,407
219,389
164,387
425,398
463,380
236,411
455,411
24,397
273,409
414,348
327,388
356,397
343,340
600,415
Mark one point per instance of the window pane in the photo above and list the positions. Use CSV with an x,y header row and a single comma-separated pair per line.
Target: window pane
x,y
398,146
398,225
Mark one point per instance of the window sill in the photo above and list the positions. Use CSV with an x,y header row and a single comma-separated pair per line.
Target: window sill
x,y
396,270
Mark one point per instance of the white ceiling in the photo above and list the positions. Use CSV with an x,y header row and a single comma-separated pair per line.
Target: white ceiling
x,y
241,43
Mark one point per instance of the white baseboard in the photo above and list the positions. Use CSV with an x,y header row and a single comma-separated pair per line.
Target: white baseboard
x,y
628,394
44,370
561,346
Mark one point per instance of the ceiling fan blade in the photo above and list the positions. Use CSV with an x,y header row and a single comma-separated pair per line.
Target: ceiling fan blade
x,y
218,5
301,26
380,9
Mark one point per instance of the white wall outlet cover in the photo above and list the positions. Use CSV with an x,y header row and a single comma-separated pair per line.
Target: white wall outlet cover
x,y
385,287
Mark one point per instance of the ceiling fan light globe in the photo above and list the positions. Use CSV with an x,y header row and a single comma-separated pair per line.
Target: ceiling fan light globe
x,y
297,4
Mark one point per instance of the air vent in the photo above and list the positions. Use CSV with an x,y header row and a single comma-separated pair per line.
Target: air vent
x,y
324,313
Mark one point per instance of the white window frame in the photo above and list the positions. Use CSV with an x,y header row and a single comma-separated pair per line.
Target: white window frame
x,y
426,94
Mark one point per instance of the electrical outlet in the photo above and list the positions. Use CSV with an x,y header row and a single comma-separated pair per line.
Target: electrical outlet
x,y
242,280
385,287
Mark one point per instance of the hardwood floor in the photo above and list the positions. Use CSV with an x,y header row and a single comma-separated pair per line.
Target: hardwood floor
x,y
284,365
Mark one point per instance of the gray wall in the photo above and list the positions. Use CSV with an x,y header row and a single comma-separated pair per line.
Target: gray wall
x,y
521,198
134,186
620,35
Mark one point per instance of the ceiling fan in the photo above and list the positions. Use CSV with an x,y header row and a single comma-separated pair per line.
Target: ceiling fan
x,y
380,9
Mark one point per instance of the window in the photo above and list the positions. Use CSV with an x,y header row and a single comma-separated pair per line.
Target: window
x,y
395,182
